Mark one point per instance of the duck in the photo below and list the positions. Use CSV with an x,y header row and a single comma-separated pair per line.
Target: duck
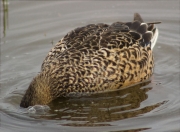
x,y
95,58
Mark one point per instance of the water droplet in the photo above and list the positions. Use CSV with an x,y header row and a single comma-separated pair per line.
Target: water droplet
x,y
38,109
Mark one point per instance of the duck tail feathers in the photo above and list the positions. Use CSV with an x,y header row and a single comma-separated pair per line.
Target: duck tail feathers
x,y
148,31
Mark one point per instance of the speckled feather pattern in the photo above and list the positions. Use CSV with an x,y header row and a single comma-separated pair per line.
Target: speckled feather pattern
x,y
99,57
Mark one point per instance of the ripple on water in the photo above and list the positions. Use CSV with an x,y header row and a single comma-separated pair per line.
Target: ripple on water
x,y
37,109
99,109
26,42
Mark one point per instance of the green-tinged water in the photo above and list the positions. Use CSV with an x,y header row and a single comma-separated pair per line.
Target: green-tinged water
x,y
29,29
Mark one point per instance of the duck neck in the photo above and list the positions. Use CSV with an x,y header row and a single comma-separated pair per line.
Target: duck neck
x,y
38,93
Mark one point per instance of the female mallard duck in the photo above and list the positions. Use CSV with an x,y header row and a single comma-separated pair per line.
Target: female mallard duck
x,y
95,58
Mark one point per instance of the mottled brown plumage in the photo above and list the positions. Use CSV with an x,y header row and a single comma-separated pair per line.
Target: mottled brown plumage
x,y
95,58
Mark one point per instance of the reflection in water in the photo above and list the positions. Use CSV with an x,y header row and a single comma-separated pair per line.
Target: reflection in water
x,y
5,16
132,130
98,109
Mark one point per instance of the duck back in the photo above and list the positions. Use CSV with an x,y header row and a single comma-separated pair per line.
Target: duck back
x,y
100,57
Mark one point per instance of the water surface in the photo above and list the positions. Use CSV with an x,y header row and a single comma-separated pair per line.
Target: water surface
x,y
30,29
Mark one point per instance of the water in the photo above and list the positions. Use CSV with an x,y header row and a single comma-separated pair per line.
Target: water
x,y
30,29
